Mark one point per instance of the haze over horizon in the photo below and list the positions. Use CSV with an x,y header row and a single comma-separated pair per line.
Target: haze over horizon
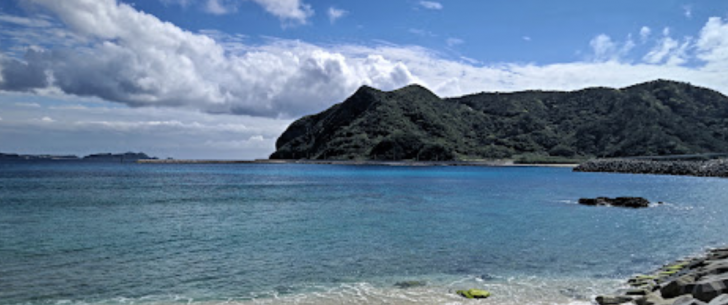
x,y
222,79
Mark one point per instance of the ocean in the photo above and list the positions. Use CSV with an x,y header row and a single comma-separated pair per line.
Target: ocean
x,y
107,233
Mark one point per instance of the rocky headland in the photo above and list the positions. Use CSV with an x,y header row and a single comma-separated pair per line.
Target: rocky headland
x,y
700,168
412,123
692,281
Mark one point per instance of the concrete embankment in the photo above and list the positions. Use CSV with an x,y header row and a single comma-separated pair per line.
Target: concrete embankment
x,y
709,168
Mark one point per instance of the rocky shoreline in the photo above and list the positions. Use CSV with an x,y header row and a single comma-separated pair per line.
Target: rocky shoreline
x,y
692,281
709,168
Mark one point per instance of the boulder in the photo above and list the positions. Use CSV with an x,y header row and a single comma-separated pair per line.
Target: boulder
x,y
653,299
613,300
678,287
688,300
710,287
720,300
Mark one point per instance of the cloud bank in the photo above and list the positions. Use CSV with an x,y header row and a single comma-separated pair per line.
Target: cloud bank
x,y
119,54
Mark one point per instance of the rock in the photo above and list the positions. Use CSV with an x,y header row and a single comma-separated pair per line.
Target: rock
x,y
687,300
720,300
410,284
627,202
710,287
474,293
653,299
714,267
613,300
678,287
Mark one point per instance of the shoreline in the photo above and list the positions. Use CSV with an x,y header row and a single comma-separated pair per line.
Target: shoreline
x,y
489,163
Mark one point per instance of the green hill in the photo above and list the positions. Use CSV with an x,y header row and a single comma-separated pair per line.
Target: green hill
x,y
412,123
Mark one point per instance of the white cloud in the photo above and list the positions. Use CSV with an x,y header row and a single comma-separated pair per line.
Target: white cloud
x,y
605,49
219,7
526,38
256,138
431,5
138,60
451,42
688,11
29,22
336,14
669,51
645,33
421,32
46,119
288,10
135,56
712,44
28,105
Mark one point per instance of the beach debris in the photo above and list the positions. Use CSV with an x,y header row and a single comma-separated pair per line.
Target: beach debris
x,y
474,293
627,202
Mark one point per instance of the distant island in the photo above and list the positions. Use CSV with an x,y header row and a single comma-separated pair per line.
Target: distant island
x,y
102,157
649,119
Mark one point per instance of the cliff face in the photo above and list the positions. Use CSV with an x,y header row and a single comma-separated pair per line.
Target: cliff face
x,y
655,118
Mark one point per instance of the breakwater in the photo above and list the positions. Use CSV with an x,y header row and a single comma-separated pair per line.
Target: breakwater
x,y
705,168
692,281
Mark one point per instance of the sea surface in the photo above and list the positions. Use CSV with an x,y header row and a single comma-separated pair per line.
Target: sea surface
x,y
75,233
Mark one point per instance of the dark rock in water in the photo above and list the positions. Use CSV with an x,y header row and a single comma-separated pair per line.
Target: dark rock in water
x,y
410,284
487,277
720,300
627,202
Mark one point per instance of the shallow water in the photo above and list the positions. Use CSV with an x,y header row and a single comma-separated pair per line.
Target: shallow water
x,y
313,234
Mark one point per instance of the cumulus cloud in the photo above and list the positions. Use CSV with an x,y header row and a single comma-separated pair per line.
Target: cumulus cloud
x,y
294,11
134,58
288,10
712,44
605,49
431,5
219,7
336,14
138,60
645,33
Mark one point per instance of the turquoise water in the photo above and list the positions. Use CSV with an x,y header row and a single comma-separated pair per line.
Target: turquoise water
x,y
125,233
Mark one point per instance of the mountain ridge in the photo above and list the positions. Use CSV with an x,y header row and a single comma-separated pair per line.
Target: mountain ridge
x,y
411,123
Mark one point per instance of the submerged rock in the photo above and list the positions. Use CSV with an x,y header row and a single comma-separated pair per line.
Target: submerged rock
x,y
410,284
627,202
613,300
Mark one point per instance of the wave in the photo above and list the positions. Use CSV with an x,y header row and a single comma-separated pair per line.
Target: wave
x,y
505,291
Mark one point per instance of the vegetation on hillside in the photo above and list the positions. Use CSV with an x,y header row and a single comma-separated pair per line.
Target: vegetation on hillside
x,y
412,123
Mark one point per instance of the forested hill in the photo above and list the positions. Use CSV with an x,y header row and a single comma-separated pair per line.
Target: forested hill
x,y
412,123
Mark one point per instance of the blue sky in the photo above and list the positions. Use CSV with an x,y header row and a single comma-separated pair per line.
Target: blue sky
x,y
223,78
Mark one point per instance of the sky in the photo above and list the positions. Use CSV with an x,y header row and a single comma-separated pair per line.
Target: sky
x,y
222,79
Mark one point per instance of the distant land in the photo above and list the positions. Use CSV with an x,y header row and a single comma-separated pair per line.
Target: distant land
x,y
102,157
649,119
